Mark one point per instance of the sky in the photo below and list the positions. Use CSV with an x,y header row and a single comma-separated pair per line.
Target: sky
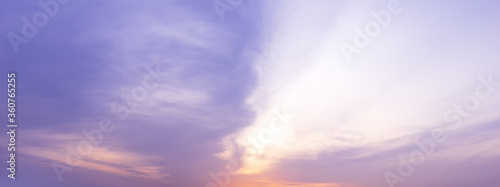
x,y
240,93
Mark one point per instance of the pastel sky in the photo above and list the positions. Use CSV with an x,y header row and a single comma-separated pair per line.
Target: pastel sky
x,y
262,94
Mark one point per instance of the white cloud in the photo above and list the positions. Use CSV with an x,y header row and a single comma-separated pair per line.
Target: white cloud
x,y
388,93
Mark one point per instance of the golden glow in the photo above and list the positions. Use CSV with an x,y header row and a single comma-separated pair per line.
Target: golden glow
x,y
100,159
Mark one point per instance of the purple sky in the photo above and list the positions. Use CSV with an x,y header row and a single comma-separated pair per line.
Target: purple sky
x,y
189,94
